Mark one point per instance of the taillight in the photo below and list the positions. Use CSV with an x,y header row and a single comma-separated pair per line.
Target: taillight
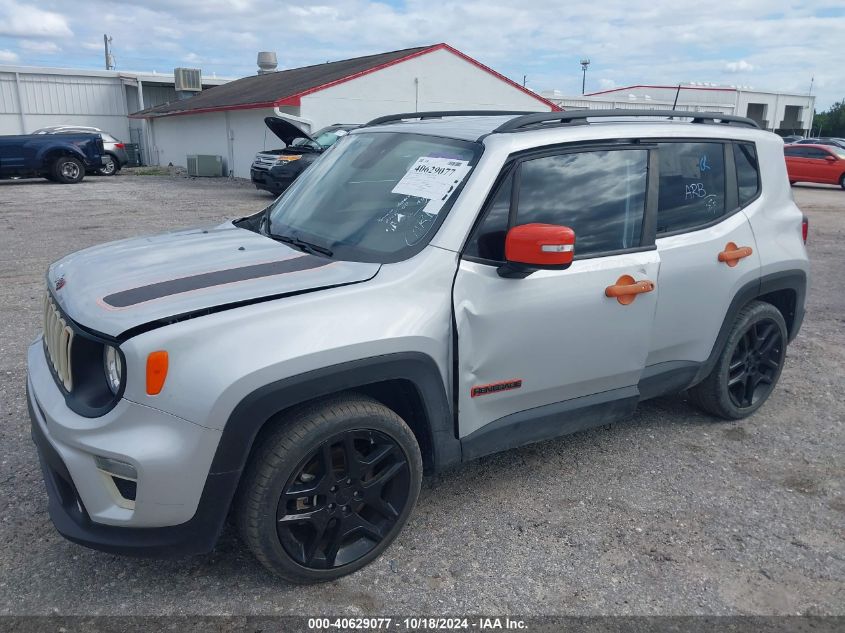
x,y
805,228
119,145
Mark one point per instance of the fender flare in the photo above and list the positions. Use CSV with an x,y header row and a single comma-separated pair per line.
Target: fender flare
x,y
43,156
251,414
795,280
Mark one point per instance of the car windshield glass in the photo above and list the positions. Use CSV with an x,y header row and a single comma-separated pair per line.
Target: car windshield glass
x,y
323,140
375,197
838,151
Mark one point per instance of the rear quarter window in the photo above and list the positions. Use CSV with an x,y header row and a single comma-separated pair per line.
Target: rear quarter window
x,y
747,172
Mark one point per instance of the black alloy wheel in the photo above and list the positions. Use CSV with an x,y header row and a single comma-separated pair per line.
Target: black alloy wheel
x,y
755,363
343,499
328,488
748,366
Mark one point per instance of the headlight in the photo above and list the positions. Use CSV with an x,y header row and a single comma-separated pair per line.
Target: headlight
x,y
113,368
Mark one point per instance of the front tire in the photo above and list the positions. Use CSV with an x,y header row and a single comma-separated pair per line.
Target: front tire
x,y
842,181
68,170
748,367
329,489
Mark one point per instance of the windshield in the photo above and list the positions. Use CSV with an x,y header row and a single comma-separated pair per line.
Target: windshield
x,y
324,139
375,197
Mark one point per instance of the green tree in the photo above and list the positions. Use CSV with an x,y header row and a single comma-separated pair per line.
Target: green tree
x,y
831,122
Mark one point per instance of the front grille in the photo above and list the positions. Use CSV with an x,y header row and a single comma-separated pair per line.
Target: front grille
x,y
264,161
58,338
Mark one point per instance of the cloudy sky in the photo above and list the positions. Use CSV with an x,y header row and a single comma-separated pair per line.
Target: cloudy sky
x,y
769,44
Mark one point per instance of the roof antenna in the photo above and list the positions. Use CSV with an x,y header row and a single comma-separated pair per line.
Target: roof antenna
x,y
677,92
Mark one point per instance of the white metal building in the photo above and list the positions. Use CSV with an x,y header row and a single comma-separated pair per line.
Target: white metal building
x,y
776,111
228,121
33,97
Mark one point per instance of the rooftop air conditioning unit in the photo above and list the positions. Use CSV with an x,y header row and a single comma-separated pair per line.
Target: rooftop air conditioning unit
x,y
205,165
187,79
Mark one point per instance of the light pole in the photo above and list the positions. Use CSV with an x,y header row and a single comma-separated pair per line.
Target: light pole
x,y
584,64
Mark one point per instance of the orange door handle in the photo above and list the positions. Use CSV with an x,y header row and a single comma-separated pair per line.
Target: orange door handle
x,y
626,289
733,253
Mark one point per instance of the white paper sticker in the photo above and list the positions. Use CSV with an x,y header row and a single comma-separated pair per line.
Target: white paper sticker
x,y
434,179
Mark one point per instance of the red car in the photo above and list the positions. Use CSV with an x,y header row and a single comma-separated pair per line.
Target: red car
x,y
815,163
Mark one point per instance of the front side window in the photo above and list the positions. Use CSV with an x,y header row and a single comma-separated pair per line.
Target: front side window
x,y
375,197
747,172
599,194
815,153
691,187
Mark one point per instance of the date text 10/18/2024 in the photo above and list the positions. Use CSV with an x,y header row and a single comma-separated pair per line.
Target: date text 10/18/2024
x,y
417,624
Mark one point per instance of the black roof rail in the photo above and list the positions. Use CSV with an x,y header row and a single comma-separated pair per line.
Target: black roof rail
x,y
579,117
442,113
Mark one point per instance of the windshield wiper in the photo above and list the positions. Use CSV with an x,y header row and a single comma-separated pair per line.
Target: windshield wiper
x,y
306,247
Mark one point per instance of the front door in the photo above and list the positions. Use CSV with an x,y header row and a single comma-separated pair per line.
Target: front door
x,y
555,336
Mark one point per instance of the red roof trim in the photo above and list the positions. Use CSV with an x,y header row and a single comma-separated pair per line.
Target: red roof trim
x,y
296,99
602,92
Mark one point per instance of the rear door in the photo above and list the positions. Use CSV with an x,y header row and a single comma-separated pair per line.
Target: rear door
x,y
706,246
554,336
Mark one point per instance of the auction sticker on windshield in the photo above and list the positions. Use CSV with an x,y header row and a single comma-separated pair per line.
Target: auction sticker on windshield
x,y
432,179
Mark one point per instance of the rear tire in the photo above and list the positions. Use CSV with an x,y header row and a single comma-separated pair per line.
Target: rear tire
x,y
748,367
68,170
109,168
329,489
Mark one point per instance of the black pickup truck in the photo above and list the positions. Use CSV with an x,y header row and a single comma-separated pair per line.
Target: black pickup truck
x,y
60,158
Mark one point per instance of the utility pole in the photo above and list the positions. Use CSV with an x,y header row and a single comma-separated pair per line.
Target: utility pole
x,y
109,56
584,64
524,79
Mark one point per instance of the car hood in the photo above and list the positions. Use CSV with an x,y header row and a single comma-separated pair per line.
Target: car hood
x,y
115,287
285,130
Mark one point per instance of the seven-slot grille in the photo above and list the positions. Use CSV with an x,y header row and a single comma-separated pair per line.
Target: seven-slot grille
x,y
58,337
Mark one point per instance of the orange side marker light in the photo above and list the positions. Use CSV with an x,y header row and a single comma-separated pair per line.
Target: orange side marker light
x,y
156,372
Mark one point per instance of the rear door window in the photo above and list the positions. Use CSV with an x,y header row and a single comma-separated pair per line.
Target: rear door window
x,y
692,185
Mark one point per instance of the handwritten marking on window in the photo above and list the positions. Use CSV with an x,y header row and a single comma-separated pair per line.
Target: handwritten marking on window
x,y
695,190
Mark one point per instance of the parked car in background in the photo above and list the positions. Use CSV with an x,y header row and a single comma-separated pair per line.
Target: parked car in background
x,y
792,138
837,142
115,150
815,163
64,158
275,169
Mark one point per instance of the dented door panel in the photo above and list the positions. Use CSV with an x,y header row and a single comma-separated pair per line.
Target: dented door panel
x,y
553,336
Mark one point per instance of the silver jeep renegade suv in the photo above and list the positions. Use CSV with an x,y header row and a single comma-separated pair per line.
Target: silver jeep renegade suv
x,y
434,288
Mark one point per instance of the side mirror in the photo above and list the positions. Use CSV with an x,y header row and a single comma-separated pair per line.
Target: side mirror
x,y
531,247
830,159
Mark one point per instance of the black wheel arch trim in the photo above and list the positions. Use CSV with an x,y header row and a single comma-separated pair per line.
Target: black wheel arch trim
x,y
260,406
795,280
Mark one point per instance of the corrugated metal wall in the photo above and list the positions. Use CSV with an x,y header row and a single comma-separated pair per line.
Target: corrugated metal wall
x,y
32,100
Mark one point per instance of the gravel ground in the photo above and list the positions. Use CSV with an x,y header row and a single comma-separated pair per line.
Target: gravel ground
x,y
668,513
